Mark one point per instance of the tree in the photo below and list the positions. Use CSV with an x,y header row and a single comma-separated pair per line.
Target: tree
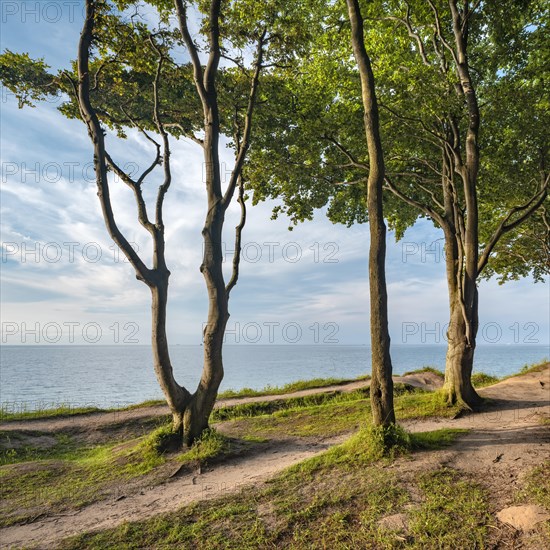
x,y
381,383
438,162
126,76
453,132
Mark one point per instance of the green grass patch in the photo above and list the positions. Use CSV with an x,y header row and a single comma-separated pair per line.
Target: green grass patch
x,y
436,439
77,476
332,501
454,513
292,403
426,368
480,379
424,404
537,485
64,447
292,387
9,412
210,445
534,367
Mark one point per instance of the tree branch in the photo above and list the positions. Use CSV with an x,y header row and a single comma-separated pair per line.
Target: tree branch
x,y
418,205
243,146
181,11
91,120
348,155
528,208
238,238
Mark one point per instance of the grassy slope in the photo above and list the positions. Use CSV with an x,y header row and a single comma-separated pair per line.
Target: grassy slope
x,y
335,499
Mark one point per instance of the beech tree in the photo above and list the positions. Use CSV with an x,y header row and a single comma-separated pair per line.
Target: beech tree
x,y
127,76
457,188
381,370
486,191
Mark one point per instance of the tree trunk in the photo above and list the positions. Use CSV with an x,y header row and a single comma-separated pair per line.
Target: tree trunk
x,y
196,416
460,359
381,384
177,397
463,324
202,402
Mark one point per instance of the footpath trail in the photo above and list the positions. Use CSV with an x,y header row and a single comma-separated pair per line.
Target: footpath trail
x,y
502,444
93,420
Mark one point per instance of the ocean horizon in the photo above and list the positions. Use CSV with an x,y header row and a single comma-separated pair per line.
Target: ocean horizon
x,y
35,377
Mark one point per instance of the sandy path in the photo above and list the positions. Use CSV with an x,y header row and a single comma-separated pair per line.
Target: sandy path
x,y
96,420
503,441
169,496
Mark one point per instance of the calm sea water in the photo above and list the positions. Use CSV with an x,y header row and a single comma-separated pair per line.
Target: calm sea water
x,y
34,377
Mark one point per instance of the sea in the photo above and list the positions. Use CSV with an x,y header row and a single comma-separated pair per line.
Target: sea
x,y
37,377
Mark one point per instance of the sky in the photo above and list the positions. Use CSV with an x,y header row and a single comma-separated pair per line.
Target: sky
x,y
63,280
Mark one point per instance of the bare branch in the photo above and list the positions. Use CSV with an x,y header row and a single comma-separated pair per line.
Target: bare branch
x,y
165,141
181,11
214,43
138,195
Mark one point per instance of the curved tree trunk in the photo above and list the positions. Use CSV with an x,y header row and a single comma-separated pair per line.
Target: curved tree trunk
x,y
177,397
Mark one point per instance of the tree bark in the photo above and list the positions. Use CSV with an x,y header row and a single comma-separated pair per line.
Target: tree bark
x,y
176,396
459,362
462,331
381,384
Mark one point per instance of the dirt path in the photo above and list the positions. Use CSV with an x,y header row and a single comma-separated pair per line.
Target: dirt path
x,y
503,442
168,496
96,420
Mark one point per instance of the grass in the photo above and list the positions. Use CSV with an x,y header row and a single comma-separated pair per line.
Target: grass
x,y
453,514
63,447
480,379
334,500
537,485
71,475
534,367
426,368
292,387
9,412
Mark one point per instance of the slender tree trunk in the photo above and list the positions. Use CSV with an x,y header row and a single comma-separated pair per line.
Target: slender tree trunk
x,y
176,397
381,384
202,402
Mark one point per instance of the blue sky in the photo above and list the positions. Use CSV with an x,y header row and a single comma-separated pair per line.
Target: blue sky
x,y
63,280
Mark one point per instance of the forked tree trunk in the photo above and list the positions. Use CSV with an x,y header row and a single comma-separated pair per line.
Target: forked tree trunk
x,y
381,384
